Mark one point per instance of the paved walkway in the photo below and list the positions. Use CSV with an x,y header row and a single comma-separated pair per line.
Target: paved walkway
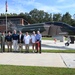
x,y
44,59
49,44
36,59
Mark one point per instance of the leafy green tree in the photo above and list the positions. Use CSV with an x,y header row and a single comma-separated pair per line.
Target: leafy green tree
x,y
66,18
57,17
34,15
39,16
2,14
73,22
21,14
46,17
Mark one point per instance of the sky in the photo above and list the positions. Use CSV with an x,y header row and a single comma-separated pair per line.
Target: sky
x,y
50,6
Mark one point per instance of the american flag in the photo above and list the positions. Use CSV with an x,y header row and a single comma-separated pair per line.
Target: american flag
x,y
6,5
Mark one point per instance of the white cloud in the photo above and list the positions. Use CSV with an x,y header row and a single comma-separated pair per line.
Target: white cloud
x,y
25,2
49,9
59,1
15,9
25,5
66,6
35,4
19,6
46,8
2,9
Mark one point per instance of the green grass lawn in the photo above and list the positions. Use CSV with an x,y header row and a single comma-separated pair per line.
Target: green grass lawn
x,y
47,38
29,70
58,51
50,51
34,70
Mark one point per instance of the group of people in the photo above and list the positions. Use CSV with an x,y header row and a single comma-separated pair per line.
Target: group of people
x,y
18,40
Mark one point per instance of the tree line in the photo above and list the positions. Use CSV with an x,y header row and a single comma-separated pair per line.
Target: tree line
x,y
39,16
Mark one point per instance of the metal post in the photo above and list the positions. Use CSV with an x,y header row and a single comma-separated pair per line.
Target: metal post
x,y
6,15
6,23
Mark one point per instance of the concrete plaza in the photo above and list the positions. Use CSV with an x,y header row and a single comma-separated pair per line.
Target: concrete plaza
x,y
66,60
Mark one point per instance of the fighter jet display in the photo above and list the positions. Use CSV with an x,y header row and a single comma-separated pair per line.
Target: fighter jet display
x,y
48,28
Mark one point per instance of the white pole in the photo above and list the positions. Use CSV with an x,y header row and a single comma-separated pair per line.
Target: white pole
x,y
6,15
6,23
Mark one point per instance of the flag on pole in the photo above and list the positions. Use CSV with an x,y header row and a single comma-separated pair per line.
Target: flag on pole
x,y
6,5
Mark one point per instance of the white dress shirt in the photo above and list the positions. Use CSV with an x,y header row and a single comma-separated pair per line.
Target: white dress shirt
x,y
33,38
27,39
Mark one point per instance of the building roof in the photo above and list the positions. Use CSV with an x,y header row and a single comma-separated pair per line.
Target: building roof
x,y
3,17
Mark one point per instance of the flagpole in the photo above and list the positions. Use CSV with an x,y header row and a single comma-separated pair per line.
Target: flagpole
x,y
6,17
6,23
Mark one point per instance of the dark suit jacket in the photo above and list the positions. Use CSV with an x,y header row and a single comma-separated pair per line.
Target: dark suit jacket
x,y
20,40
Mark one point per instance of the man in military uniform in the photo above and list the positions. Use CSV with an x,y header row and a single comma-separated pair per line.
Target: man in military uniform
x,y
3,42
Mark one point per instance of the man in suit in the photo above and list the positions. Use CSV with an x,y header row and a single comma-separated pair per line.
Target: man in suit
x,y
15,40
20,40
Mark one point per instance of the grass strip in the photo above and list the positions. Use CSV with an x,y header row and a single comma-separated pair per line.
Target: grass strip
x,y
34,70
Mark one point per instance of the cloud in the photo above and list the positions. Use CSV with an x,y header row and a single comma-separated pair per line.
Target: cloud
x,y
49,9
2,8
55,8
19,6
59,1
46,8
22,6
34,4
24,2
66,6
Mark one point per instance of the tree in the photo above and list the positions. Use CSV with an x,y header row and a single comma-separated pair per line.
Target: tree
x,y
50,17
66,18
39,16
21,14
47,17
57,17
34,15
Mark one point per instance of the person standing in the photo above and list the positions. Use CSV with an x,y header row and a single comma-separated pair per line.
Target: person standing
x,y
15,40
27,41
8,39
20,40
38,41
33,40
3,42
